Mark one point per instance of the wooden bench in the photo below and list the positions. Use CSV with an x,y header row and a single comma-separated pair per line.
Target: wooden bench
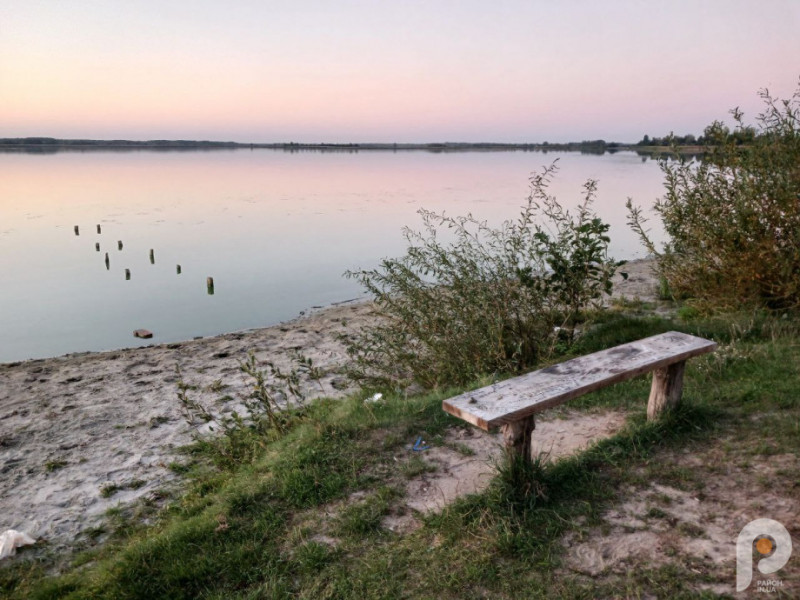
x,y
512,404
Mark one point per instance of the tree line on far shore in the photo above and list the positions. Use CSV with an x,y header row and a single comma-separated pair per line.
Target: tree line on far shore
x,y
711,134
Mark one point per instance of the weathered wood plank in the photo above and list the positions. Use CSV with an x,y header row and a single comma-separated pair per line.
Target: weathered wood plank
x,y
519,397
517,437
666,390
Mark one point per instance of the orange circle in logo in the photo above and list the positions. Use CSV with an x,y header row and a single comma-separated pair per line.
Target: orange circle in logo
x,y
764,546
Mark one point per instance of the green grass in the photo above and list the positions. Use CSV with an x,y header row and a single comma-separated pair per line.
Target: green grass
x,y
54,465
303,519
109,489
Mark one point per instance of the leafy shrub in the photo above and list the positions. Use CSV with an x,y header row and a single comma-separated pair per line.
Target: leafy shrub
x,y
733,220
490,300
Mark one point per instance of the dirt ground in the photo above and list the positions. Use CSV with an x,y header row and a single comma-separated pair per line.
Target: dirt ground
x,y
465,463
695,523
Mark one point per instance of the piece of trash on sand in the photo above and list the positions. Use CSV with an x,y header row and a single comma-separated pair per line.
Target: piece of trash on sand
x,y
11,539
419,445
374,398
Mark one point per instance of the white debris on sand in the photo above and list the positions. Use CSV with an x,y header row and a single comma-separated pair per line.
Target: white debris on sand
x,y
12,539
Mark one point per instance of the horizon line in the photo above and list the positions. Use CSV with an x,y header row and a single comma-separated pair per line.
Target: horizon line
x,y
45,140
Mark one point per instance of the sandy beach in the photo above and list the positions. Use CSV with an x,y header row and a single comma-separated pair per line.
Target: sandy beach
x,y
74,426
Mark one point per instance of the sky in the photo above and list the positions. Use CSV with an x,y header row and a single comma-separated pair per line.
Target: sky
x,y
389,71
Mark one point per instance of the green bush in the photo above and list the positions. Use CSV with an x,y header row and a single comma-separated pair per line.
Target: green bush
x,y
733,220
490,299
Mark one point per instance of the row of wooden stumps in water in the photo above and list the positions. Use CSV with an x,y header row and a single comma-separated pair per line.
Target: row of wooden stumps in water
x,y
209,280
78,229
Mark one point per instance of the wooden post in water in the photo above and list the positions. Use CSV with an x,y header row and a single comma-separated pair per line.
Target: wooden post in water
x,y
127,274
517,438
97,246
210,285
152,257
178,269
77,230
98,228
119,244
666,390
107,263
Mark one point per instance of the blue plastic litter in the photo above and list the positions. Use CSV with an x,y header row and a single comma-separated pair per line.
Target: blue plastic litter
x,y
418,445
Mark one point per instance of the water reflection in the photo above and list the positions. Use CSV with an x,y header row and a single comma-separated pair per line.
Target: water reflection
x,y
279,228
593,147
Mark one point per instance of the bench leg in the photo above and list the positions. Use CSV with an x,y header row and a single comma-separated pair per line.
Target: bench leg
x,y
517,437
666,390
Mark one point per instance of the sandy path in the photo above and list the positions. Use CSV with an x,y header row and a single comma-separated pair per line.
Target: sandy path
x,y
74,425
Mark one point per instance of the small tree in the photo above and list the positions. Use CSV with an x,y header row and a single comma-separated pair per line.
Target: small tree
x,y
492,300
733,220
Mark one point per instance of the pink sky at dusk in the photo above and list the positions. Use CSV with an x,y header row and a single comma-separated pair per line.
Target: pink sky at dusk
x,y
444,70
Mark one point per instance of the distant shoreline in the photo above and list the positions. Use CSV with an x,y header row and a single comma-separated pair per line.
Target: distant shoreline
x,y
45,145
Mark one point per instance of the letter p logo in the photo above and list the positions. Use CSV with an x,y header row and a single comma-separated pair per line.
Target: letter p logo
x,y
771,540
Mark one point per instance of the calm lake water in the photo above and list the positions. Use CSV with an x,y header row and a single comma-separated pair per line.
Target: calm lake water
x,y
275,230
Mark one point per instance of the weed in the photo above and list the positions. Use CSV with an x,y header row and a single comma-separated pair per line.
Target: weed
x,y
179,468
273,403
691,530
216,386
192,410
157,420
416,466
462,449
54,465
492,300
521,482
109,490
305,365
311,557
363,518
688,312
633,305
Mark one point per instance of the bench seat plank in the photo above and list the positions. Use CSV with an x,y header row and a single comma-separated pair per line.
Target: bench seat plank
x,y
519,397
